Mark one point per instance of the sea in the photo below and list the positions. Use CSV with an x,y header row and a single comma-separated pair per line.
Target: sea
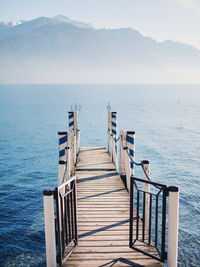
x,y
165,118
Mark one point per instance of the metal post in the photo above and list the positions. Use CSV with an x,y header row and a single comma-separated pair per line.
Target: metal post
x,y
130,139
49,222
173,218
122,154
63,138
131,214
146,188
114,135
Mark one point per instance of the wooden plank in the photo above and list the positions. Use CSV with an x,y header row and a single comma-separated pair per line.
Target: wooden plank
x,y
105,209
102,212
101,200
107,233
113,195
107,198
113,237
103,223
106,263
105,216
108,256
109,243
94,228
93,192
102,205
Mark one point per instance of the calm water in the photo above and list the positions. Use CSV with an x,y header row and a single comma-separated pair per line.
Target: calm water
x,y
167,124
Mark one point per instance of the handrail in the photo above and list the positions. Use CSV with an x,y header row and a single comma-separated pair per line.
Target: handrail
x,y
61,235
68,181
66,218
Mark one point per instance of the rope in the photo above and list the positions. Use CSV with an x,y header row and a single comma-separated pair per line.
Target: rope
x,y
116,139
140,164
136,163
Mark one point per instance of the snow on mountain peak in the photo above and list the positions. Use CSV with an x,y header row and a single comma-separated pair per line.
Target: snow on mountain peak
x,y
12,23
79,24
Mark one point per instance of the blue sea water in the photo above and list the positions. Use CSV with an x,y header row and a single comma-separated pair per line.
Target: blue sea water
x,y
166,119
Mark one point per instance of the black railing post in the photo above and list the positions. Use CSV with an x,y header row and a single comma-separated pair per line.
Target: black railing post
x,y
147,218
150,207
143,219
66,218
156,223
59,237
75,214
163,253
131,213
138,213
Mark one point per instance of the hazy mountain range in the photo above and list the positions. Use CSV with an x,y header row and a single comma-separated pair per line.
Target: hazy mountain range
x,y
60,50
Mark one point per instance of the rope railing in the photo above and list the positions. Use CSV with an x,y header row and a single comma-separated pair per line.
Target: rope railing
x,y
117,139
128,169
136,163
126,164
139,164
142,164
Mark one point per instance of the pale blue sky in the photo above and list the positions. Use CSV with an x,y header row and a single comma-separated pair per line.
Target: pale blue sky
x,y
178,20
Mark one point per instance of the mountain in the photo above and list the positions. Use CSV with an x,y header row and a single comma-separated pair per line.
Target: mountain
x,y
76,23
3,26
8,24
60,50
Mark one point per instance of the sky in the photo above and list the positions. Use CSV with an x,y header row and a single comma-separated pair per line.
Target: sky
x,y
177,20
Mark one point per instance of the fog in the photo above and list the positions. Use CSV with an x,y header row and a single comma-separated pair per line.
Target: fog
x,y
47,50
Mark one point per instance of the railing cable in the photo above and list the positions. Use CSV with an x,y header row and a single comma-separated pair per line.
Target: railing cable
x,y
130,157
116,139
134,162
139,164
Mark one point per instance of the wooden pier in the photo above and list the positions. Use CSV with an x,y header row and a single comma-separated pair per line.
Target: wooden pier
x,y
100,214
103,215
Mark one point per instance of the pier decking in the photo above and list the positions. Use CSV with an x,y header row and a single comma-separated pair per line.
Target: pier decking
x,y
103,215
